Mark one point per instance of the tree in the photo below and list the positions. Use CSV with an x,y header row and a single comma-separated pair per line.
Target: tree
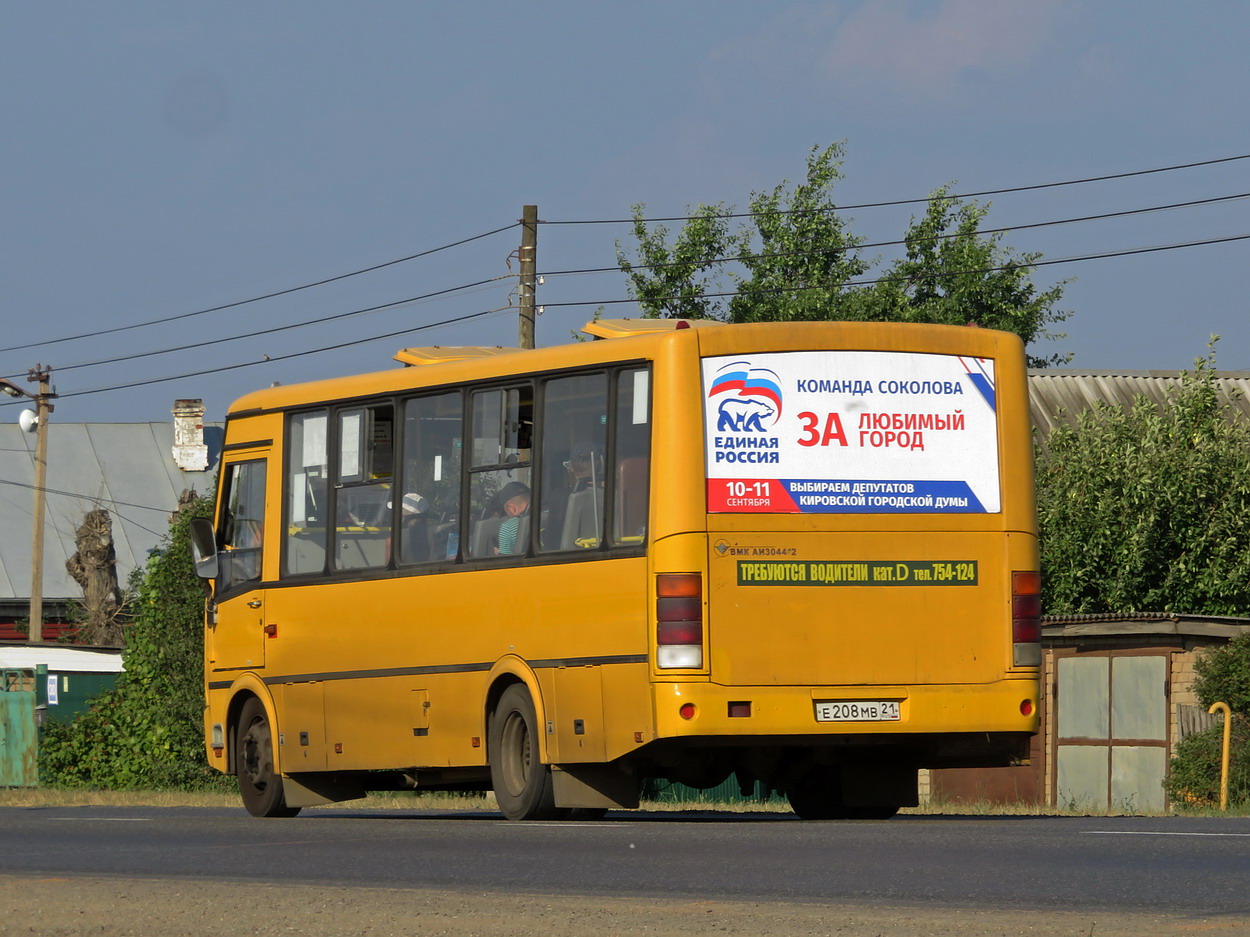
x,y
672,282
147,732
1223,676
1143,508
796,259
954,275
94,567
800,256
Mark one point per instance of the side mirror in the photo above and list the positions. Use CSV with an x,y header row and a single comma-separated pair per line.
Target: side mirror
x,y
204,547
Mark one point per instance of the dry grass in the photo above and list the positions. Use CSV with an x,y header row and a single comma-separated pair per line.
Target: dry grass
x,y
42,797
46,797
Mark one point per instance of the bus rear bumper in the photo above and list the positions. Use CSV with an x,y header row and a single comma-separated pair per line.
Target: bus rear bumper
x,y
689,710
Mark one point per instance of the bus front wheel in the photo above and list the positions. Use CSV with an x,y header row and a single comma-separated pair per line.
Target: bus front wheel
x,y
260,786
521,781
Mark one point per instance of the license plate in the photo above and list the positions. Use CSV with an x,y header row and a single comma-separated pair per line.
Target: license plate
x,y
857,710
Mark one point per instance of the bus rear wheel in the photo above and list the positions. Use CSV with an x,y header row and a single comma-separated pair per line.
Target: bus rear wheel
x,y
522,783
260,786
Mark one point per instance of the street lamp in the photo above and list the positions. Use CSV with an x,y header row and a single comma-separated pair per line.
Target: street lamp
x,y
41,375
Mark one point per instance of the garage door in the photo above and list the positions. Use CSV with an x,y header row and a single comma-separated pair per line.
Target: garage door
x,y
1112,744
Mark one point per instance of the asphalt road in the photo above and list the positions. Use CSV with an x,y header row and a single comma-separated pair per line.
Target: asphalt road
x,y
1196,867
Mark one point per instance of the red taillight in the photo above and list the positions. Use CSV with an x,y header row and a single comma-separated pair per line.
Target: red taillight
x,y
1026,618
689,585
678,632
679,621
678,609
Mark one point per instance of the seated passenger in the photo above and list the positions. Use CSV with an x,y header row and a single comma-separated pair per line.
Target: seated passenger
x,y
584,467
515,498
414,529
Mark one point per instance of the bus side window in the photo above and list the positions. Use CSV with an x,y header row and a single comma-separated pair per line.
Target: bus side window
x,y
632,433
363,494
574,437
429,487
501,427
631,500
307,495
242,524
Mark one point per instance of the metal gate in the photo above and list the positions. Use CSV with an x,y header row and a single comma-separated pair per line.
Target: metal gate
x,y
1112,743
18,736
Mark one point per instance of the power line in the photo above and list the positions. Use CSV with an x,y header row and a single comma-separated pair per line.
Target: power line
x,y
254,299
606,302
913,201
131,520
935,275
295,354
281,328
895,243
93,498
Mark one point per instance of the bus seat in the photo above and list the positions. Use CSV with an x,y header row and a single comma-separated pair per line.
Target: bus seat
x,y
306,551
362,550
485,536
583,520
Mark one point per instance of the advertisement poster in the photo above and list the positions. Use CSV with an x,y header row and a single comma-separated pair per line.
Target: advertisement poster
x,y
865,432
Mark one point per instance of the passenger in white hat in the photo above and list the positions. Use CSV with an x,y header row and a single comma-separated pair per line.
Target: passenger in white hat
x,y
414,529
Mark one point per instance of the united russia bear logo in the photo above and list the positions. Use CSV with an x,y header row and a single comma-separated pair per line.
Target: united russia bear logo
x,y
754,395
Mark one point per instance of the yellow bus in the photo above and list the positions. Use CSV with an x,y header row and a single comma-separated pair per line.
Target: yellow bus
x,y
803,554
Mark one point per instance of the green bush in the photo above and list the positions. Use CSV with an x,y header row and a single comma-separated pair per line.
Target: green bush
x,y
1143,509
1194,777
1223,675
147,732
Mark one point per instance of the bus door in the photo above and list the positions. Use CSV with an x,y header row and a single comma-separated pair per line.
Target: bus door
x,y
237,640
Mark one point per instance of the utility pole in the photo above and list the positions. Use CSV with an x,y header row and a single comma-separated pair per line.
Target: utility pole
x,y
528,283
42,375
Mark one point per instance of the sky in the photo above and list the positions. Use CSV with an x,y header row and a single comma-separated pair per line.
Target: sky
x,y
174,161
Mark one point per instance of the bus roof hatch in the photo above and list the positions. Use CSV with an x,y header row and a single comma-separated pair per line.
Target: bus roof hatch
x,y
629,328
441,354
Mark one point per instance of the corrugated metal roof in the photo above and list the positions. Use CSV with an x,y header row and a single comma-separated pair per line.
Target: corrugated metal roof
x,y
60,659
1058,628
128,467
1058,395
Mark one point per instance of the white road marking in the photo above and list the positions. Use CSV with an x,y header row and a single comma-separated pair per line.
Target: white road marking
x,y
1153,833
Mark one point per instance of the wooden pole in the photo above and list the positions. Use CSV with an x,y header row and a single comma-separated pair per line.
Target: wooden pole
x,y
42,409
528,283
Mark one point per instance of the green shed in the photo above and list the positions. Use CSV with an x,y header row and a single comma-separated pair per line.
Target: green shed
x,y
75,675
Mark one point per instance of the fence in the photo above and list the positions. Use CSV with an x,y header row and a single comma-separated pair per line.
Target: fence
x,y
19,744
